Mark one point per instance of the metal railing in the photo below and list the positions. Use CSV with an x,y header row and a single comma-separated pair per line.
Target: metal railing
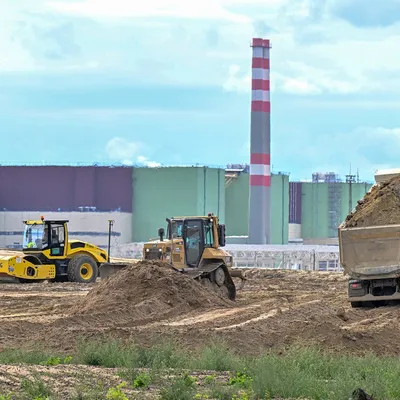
x,y
296,257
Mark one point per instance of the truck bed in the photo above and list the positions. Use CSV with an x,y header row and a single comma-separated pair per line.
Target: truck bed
x,y
370,252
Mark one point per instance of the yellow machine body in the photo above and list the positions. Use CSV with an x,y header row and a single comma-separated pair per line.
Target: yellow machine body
x,y
49,254
19,267
193,246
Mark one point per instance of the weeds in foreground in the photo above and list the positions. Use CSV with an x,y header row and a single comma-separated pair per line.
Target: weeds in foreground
x,y
36,389
142,380
115,393
298,373
92,393
182,388
8,396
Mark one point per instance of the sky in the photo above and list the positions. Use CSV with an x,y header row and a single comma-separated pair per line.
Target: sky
x,y
167,82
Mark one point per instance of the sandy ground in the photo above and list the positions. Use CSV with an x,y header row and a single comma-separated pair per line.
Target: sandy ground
x,y
275,309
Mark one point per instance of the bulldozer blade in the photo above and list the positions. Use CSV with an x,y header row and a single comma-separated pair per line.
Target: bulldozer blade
x,y
238,273
108,269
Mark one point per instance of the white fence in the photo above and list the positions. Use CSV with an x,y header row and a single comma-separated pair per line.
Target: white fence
x,y
300,257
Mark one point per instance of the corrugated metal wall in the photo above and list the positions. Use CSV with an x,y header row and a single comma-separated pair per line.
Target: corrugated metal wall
x,y
174,191
237,207
295,197
315,210
320,204
50,188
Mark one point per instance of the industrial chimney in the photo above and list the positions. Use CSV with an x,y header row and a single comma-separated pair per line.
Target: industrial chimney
x,y
260,162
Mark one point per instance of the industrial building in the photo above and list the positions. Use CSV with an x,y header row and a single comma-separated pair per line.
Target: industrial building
x,y
257,206
138,199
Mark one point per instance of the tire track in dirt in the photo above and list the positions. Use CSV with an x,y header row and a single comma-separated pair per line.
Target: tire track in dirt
x,y
274,310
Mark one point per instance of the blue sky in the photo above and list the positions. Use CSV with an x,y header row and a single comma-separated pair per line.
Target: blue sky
x,y
168,82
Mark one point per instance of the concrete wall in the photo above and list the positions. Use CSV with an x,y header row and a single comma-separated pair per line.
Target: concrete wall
x,y
326,205
237,207
174,191
294,231
91,227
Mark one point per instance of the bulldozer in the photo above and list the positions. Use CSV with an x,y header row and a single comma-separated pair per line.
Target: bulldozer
x,y
48,254
193,246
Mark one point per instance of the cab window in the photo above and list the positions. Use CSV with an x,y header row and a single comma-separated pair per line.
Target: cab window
x,y
208,234
57,235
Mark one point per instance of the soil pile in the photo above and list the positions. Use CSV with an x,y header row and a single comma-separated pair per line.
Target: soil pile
x,y
146,291
381,206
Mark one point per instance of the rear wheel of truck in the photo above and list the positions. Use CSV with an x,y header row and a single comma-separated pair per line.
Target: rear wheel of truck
x,y
356,304
82,269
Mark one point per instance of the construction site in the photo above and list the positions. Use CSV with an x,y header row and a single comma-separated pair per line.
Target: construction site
x,y
252,264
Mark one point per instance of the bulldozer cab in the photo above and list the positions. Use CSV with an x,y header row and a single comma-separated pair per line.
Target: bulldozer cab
x,y
41,235
193,246
197,234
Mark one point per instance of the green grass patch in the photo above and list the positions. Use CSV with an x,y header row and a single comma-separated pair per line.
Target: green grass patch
x,y
298,373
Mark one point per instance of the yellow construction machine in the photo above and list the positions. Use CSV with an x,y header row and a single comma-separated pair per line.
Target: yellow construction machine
x,y
192,246
48,254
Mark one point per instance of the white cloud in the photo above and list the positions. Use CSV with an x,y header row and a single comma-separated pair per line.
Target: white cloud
x,y
144,161
168,43
206,9
299,86
108,114
120,149
236,80
355,104
127,152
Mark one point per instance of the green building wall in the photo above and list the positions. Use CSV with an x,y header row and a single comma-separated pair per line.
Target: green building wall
x,y
237,207
326,205
164,192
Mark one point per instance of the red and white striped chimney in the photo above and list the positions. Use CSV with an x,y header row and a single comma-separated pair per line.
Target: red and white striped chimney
x,y
260,160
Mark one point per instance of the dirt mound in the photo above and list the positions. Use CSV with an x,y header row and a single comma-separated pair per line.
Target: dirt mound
x,y
147,290
380,206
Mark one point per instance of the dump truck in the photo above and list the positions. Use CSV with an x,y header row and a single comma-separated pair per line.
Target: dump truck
x,y
370,256
49,254
192,246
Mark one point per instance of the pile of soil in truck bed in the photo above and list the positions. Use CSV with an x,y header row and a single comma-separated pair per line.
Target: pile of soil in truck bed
x,y
380,206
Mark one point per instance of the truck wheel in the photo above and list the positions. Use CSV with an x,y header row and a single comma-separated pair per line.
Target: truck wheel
x,y
82,269
356,304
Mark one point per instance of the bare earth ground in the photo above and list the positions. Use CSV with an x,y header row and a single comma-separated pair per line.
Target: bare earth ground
x,y
275,309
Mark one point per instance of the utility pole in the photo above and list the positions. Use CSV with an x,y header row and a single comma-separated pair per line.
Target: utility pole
x,y
350,179
110,225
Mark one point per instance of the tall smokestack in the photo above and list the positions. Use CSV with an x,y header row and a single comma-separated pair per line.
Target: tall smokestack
x,y
260,162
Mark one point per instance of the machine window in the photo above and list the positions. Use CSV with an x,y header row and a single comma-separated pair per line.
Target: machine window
x,y
57,235
176,227
193,242
208,234
35,237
